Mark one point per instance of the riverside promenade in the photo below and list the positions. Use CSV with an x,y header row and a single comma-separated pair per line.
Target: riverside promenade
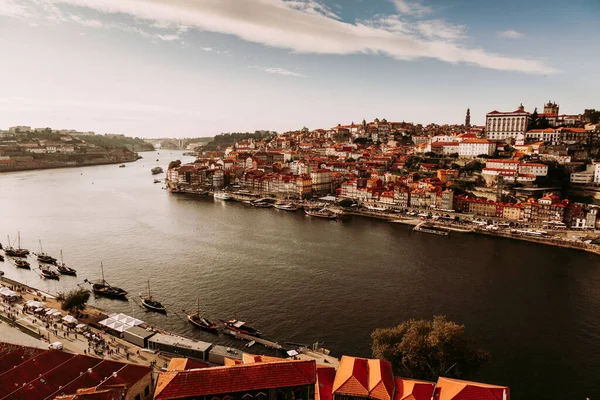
x,y
14,316
17,320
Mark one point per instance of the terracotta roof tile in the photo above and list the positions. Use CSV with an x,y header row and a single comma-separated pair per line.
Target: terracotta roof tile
x,y
410,389
352,377
455,389
238,378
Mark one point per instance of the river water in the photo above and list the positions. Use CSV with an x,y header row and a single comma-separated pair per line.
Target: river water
x,y
299,279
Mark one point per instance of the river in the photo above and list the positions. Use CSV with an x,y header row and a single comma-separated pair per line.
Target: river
x,y
300,279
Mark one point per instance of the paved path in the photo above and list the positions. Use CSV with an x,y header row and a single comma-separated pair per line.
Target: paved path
x,y
77,343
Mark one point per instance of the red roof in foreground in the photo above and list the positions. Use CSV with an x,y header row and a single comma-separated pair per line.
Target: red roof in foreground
x,y
455,389
410,389
324,386
237,378
40,374
365,378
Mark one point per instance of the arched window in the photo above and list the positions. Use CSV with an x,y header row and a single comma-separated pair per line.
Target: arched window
x,y
247,396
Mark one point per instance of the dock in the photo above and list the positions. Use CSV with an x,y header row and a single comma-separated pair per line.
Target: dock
x,y
264,342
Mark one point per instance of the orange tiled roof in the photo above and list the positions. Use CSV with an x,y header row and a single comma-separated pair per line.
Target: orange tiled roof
x,y
455,389
410,389
381,379
352,377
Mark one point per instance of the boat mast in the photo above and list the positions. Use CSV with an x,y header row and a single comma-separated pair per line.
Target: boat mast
x,y
62,262
102,266
198,307
149,289
19,238
41,249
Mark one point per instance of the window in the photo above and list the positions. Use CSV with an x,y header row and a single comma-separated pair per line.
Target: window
x,y
146,391
138,397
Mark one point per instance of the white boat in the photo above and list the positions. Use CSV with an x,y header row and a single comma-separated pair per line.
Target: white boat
x,y
286,207
222,196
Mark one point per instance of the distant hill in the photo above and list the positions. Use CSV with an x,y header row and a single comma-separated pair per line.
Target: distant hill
x,y
224,140
118,142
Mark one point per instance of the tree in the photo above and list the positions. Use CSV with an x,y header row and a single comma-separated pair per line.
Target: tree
x,y
75,300
174,164
533,121
346,203
424,349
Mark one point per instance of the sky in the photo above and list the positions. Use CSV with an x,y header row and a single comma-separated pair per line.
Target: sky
x,y
189,68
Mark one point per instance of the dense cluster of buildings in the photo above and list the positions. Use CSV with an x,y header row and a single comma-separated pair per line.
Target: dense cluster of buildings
x,y
28,373
399,165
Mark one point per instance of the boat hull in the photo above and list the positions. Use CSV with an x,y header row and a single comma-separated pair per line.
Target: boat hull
x,y
245,330
48,275
208,328
67,271
150,307
112,293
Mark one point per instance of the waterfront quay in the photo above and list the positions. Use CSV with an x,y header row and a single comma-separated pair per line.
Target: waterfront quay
x,y
143,345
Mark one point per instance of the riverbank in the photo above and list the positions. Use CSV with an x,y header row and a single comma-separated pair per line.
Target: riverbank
x,y
58,165
16,315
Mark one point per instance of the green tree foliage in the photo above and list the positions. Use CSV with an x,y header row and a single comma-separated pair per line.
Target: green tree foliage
x,y
346,203
533,120
118,142
75,300
174,164
228,139
426,349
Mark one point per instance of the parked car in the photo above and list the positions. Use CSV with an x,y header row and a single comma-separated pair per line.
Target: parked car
x,y
55,346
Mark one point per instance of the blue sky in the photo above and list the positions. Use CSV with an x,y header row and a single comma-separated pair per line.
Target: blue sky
x,y
186,68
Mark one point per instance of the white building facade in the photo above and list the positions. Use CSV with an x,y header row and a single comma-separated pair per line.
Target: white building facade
x,y
504,125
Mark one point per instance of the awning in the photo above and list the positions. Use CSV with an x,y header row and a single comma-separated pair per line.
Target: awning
x,y
120,322
6,292
69,319
34,304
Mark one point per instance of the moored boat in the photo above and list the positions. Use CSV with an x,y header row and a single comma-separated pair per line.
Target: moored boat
x,y
103,288
48,273
18,252
200,322
238,326
323,213
22,264
222,195
1,257
44,257
157,170
286,207
150,303
262,204
63,269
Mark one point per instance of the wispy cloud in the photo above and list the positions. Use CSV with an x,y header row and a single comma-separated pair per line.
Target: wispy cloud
x,y
309,29
439,29
509,34
277,71
312,7
415,8
12,8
